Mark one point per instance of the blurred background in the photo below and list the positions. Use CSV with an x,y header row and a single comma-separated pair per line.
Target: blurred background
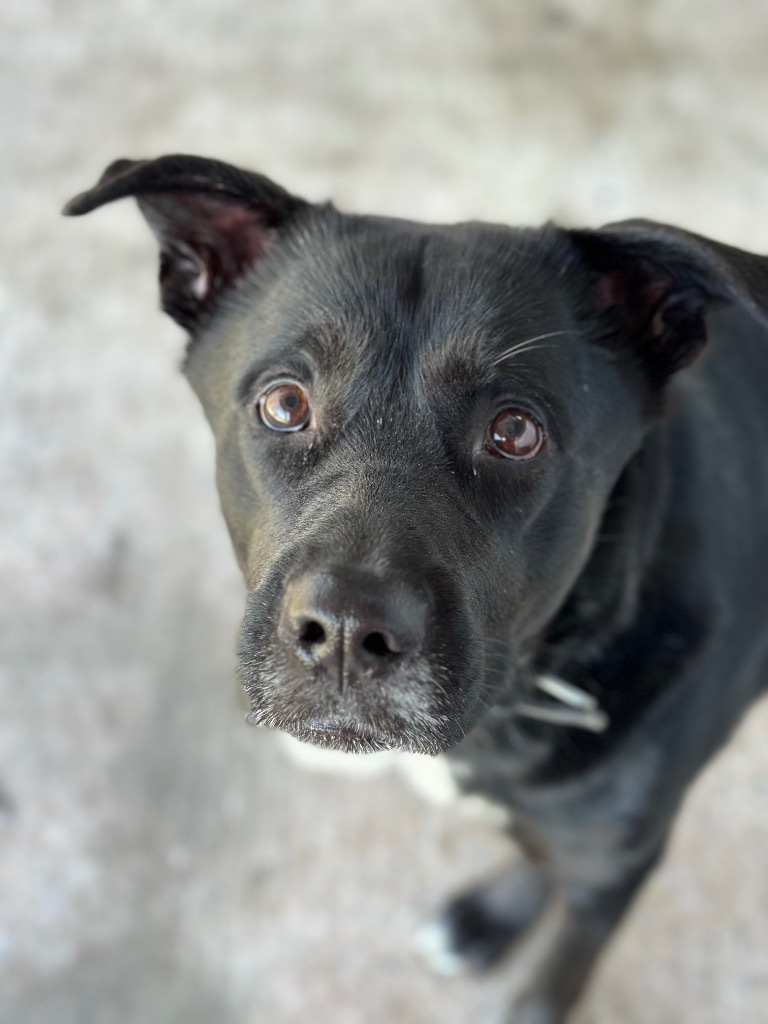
x,y
159,862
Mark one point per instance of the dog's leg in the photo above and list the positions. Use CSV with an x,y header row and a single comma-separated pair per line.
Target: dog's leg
x,y
558,913
593,894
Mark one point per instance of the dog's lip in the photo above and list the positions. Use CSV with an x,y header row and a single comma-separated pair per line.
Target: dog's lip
x,y
335,734
327,732
343,731
349,736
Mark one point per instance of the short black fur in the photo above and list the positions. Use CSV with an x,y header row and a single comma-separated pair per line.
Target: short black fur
x,y
413,586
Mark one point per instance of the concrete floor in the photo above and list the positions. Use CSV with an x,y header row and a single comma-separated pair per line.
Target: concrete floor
x,y
160,862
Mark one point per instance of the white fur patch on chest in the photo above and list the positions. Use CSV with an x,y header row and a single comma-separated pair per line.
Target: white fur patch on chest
x,y
432,778
336,762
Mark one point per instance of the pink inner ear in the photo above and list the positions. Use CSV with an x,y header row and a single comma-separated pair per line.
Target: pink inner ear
x,y
209,242
615,288
238,233
610,290
228,237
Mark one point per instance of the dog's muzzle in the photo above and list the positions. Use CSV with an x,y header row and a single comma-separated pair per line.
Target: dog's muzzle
x,y
356,658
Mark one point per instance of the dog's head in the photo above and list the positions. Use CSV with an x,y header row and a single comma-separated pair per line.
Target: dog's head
x,y
418,429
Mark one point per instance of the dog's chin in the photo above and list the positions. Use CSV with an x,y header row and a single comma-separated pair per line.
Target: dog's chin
x,y
353,738
335,735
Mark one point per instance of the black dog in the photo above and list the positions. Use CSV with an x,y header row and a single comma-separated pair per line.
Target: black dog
x,y
479,511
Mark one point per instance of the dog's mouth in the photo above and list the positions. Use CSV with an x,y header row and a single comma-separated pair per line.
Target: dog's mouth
x,y
343,736
331,733
348,734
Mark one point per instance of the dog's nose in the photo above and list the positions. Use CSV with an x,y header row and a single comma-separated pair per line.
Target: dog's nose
x,y
351,623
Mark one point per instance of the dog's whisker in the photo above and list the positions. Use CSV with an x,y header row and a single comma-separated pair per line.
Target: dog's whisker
x,y
518,353
527,343
488,640
499,653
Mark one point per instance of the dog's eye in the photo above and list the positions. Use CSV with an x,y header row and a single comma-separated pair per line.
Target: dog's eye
x,y
514,434
284,406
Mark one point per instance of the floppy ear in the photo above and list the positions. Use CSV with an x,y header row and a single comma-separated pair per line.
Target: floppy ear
x,y
656,283
213,221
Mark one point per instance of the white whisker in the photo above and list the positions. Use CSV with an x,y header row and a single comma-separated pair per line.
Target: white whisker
x,y
519,351
528,344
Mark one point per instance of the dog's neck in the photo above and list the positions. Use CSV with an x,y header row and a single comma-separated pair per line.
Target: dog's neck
x,y
584,646
608,639
589,645
605,599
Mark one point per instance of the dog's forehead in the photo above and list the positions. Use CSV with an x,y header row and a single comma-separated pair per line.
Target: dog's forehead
x,y
397,293
365,298
430,285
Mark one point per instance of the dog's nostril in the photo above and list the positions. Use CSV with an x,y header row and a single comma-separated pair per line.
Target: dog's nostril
x,y
312,633
376,643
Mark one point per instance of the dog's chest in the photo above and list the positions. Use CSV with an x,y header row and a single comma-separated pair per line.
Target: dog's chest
x,y
436,779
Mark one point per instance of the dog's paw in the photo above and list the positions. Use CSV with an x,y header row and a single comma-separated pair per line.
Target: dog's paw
x,y
435,943
477,928
463,939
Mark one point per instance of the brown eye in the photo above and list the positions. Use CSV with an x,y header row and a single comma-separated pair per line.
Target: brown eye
x,y
285,407
515,434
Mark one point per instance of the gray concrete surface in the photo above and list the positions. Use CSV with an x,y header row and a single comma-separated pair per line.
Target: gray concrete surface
x,y
159,862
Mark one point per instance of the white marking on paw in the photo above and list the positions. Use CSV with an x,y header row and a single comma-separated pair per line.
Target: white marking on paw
x,y
432,942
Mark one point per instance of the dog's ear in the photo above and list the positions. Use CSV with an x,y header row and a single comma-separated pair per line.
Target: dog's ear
x,y
213,221
655,284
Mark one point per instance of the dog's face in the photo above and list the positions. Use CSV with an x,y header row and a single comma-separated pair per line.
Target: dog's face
x,y
416,438
418,431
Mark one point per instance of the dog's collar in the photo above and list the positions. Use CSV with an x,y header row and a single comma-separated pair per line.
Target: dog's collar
x,y
567,705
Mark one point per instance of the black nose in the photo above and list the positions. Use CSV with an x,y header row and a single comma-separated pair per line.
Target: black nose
x,y
351,623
